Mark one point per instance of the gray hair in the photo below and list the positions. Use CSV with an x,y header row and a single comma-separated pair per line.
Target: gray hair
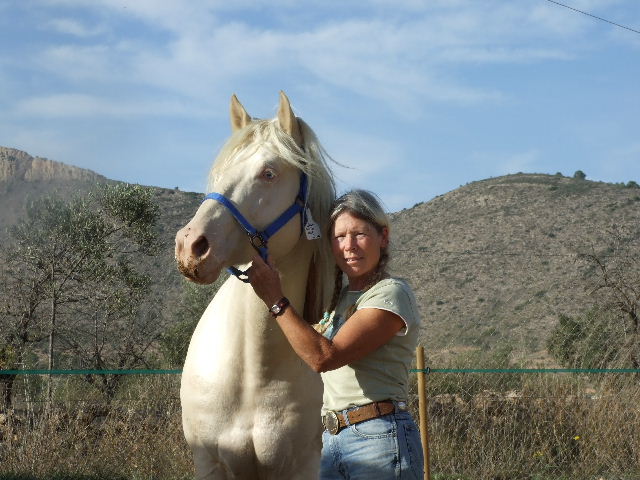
x,y
368,207
362,204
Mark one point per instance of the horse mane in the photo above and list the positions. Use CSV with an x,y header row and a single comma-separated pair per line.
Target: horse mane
x,y
313,160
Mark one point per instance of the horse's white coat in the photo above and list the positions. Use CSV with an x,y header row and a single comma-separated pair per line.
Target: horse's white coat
x,y
250,406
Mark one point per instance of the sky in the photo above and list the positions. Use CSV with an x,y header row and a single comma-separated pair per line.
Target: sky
x,y
415,97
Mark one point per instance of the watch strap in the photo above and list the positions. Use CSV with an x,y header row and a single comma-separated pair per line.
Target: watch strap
x,y
279,307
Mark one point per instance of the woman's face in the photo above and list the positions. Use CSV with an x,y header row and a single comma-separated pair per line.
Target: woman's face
x,y
356,247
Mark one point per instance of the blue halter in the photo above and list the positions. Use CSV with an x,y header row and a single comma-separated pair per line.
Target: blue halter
x,y
259,239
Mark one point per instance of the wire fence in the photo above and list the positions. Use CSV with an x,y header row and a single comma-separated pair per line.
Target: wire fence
x,y
534,424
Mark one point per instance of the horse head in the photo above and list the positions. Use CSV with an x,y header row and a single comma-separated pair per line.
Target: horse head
x,y
266,168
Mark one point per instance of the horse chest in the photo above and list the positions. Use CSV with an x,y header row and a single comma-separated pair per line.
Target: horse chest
x,y
239,361
248,401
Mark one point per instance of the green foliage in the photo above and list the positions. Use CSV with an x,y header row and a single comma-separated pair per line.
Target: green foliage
x,y
632,184
132,207
592,340
579,175
7,356
194,300
469,384
72,268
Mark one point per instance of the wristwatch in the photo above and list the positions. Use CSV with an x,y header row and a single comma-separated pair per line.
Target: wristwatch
x,y
279,307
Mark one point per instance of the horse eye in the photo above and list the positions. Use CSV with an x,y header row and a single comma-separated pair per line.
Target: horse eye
x,y
269,174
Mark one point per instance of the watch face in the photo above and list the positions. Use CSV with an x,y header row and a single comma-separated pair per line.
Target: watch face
x,y
279,307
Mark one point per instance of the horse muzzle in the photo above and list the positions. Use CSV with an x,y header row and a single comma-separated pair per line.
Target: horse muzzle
x,y
193,254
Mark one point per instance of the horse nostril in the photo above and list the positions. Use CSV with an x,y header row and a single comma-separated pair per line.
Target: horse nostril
x,y
200,247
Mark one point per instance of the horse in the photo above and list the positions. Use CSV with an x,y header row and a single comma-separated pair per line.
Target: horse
x,y
250,405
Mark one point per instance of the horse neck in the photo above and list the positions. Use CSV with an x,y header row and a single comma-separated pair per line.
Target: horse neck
x,y
260,345
294,269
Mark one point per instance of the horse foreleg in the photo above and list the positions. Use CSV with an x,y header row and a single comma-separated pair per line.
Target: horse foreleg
x,y
207,467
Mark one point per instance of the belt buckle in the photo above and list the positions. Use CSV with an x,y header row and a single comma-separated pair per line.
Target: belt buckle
x,y
330,422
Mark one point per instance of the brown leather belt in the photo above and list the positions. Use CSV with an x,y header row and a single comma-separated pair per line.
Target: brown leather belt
x,y
335,421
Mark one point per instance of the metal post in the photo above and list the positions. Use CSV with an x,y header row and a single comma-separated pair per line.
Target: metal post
x,y
422,408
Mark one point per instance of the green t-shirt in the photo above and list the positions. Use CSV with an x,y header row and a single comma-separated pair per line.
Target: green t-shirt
x,y
384,373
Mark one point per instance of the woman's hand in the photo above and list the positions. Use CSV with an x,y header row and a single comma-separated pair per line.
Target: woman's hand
x,y
265,280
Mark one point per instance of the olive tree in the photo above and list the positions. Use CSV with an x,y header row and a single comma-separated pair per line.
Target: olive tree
x,y
608,335
71,280
185,315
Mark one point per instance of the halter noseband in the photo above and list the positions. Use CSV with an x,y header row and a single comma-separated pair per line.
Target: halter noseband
x,y
259,239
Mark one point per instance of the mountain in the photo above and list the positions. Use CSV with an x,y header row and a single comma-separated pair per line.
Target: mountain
x,y
493,263
16,166
24,178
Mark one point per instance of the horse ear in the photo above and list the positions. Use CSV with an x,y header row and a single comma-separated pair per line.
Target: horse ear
x,y
287,119
239,116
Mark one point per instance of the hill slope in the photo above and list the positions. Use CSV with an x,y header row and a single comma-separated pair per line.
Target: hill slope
x,y
492,263
24,178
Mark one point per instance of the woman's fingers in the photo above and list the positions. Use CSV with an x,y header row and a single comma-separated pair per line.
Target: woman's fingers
x,y
265,280
259,265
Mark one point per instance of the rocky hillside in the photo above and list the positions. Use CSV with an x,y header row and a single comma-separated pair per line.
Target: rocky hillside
x,y
493,263
19,166
24,178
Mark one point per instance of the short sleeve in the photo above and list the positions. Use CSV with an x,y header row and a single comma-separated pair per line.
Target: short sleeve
x,y
395,296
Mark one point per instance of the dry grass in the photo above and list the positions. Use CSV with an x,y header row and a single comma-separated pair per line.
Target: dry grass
x,y
549,427
139,437
553,427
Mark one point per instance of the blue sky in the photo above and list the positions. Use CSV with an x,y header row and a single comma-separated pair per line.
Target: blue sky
x,y
417,97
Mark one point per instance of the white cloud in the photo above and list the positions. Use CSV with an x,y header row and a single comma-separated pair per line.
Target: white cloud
x,y
90,62
79,105
619,162
364,156
504,163
401,60
518,162
501,54
563,21
74,27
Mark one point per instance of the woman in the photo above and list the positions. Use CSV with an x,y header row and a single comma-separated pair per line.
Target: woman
x,y
363,348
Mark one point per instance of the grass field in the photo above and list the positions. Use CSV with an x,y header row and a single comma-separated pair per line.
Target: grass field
x,y
539,427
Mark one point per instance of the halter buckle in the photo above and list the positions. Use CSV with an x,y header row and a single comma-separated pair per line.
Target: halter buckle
x,y
257,240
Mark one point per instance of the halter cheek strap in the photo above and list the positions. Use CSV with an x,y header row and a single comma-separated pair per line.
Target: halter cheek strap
x,y
259,239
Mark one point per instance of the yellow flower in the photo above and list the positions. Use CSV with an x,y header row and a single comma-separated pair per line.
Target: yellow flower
x,y
577,437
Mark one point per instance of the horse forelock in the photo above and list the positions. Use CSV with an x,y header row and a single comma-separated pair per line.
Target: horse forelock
x,y
312,160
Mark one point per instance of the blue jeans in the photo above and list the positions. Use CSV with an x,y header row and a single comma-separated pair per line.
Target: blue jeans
x,y
384,448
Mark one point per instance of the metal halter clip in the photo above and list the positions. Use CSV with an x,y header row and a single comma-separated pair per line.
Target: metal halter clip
x,y
257,240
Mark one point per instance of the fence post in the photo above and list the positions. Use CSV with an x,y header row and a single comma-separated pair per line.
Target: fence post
x,y
422,409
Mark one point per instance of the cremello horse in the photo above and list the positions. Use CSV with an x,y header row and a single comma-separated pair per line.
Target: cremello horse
x,y
250,406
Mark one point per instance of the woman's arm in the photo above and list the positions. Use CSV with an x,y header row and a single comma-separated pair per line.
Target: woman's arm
x,y
367,329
